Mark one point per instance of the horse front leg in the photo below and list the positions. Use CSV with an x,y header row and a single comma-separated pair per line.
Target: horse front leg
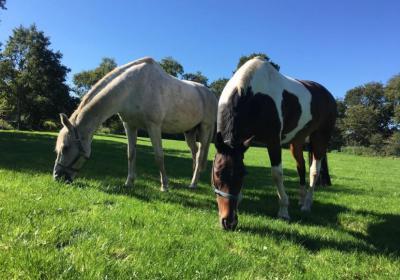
x,y
155,137
297,152
131,133
275,155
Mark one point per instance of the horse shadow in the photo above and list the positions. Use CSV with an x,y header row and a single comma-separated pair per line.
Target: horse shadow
x,y
108,168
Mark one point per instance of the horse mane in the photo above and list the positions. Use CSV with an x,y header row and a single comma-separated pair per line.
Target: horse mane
x,y
239,94
103,82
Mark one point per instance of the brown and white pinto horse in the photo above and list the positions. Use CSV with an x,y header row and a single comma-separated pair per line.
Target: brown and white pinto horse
x,y
259,102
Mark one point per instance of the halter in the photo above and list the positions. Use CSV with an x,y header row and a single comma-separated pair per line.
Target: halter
x,y
80,159
229,196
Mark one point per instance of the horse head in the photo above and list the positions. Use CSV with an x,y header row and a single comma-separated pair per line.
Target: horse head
x,y
72,151
227,178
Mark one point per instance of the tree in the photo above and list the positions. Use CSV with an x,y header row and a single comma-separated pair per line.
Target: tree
x,y
372,95
196,77
33,78
243,59
392,94
3,4
218,86
171,66
86,79
359,124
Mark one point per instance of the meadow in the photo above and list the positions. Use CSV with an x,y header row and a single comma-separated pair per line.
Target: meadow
x,y
97,229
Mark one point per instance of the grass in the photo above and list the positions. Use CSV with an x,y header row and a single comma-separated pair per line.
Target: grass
x,y
95,229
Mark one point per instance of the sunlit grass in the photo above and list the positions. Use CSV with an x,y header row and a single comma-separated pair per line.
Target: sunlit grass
x,y
95,228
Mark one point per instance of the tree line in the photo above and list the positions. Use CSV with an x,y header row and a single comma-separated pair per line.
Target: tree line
x,y
34,90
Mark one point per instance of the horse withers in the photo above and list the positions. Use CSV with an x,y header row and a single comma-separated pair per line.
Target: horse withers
x,y
259,102
144,96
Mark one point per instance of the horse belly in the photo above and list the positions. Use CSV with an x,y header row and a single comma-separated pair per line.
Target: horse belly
x,y
182,119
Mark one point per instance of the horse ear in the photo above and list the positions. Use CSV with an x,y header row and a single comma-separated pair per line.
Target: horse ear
x,y
219,142
65,121
246,144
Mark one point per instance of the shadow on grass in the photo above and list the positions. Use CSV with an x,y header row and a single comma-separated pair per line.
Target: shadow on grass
x,y
35,153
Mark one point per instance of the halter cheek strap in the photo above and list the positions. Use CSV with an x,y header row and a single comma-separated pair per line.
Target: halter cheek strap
x,y
81,158
229,196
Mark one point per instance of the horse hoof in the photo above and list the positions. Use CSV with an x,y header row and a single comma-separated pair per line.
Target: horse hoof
x,y
193,186
284,215
164,189
305,208
284,218
129,186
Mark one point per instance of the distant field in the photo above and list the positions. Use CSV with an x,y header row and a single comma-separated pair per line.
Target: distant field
x,y
95,229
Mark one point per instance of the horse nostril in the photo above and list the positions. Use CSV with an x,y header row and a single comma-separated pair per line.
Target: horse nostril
x,y
224,224
229,225
57,177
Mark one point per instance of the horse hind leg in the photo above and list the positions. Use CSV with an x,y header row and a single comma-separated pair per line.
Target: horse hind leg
x,y
205,137
190,137
318,143
155,137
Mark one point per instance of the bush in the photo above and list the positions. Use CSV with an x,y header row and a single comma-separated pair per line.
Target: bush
x,y
392,147
5,125
50,125
103,129
114,124
377,143
359,151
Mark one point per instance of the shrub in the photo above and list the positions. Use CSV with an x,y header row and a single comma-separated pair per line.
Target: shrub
x,y
50,125
359,150
377,143
5,125
104,130
392,147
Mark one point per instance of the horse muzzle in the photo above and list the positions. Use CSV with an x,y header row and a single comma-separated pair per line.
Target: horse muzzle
x,y
62,176
229,223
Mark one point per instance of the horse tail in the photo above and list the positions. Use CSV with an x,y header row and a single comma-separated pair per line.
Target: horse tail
x,y
324,177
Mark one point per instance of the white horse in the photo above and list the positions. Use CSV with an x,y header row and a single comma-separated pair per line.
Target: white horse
x,y
146,97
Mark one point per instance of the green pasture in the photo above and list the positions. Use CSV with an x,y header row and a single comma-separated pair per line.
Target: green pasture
x,y
96,229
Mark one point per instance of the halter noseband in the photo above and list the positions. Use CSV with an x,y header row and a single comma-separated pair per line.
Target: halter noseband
x,y
228,196
80,158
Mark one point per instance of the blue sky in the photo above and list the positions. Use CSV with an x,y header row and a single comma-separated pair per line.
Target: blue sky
x,y
340,44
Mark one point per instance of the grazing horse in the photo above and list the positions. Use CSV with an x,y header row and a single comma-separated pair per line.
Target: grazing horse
x,y
259,102
144,96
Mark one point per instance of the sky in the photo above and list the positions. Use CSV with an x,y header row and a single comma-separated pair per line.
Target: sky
x,y
340,44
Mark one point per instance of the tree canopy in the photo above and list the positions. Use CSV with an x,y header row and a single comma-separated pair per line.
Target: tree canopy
x,y
218,85
196,77
33,85
84,80
171,66
243,59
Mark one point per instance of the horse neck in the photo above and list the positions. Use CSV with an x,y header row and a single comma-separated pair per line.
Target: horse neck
x,y
94,113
